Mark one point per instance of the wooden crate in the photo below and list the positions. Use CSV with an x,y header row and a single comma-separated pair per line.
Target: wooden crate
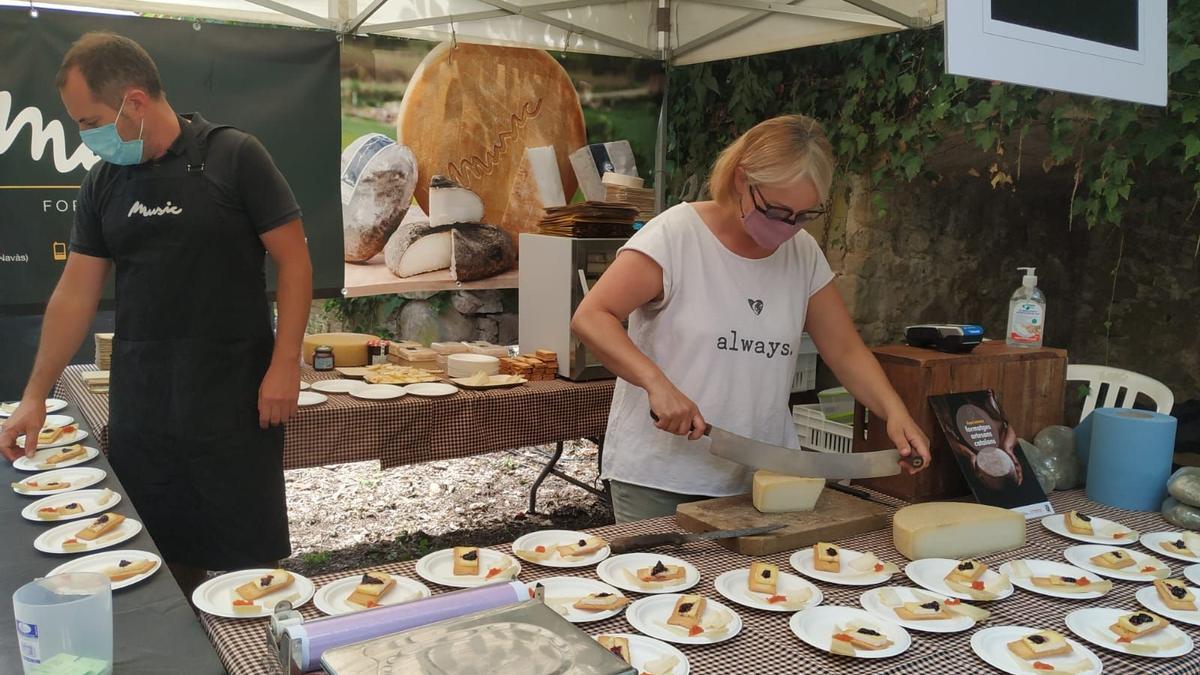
x,y
1029,383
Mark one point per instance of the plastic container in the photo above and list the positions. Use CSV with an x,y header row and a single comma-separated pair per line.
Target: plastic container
x,y
837,405
1027,312
805,378
66,617
818,433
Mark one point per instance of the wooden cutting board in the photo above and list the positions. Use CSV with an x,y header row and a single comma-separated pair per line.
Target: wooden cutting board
x,y
836,516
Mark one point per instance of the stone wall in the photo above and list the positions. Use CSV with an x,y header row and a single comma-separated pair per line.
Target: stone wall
x,y
950,252
427,317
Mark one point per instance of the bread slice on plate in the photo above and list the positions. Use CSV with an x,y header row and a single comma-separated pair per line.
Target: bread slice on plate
x,y
1179,547
763,578
827,557
1114,560
1137,625
372,587
660,572
466,561
1079,523
275,580
51,434
967,571
56,512
67,454
616,645
687,612
101,526
1175,594
600,602
1040,645
128,569
864,637
923,611
585,546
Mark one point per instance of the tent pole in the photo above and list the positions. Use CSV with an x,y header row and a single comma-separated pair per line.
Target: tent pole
x,y
660,140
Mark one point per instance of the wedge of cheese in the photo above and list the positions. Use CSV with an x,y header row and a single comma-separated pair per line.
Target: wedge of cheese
x,y
956,530
779,493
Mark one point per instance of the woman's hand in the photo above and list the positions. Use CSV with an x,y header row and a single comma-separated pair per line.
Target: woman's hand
x,y
909,440
676,413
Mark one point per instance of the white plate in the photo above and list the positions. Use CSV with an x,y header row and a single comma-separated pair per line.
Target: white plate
x,y
216,596
1192,572
438,568
35,463
802,562
337,386
77,478
613,571
1045,568
991,645
52,405
331,598
816,626
431,389
1154,542
51,540
101,561
378,392
874,604
65,439
1080,556
649,616
733,586
1057,524
552,538
930,574
563,592
1092,624
643,650
310,398
88,499
54,421
304,386
1148,596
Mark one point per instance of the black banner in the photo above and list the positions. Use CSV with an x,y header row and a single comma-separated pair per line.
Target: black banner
x,y
280,84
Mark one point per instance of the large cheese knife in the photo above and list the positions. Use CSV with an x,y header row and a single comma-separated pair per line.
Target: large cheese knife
x,y
642,542
832,465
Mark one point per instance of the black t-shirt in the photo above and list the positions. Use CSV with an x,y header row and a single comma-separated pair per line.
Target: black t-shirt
x,y
239,167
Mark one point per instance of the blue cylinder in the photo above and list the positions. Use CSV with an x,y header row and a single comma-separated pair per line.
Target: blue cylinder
x,y
1130,458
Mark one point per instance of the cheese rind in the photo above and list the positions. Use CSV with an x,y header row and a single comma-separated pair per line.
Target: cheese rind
x,y
779,493
956,530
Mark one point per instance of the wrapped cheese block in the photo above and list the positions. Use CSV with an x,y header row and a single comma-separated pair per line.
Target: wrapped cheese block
x,y
378,177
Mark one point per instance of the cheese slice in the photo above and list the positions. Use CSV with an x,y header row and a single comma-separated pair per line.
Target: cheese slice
x,y
779,493
956,530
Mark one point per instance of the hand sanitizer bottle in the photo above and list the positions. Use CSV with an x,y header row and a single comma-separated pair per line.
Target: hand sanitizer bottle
x,y
1027,313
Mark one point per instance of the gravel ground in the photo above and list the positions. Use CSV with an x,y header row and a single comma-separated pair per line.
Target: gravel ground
x,y
350,516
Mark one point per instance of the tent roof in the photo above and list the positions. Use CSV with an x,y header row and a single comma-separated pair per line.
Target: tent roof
x,y
699,30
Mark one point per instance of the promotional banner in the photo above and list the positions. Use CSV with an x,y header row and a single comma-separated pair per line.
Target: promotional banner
x,y
279,84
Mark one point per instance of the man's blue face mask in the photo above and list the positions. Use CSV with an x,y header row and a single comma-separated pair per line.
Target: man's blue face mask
x,y
108,145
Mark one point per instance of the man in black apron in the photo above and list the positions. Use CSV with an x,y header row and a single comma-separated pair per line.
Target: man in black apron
x,y
200,387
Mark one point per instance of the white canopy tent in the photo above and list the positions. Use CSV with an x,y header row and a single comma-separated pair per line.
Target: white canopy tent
x,y
676,32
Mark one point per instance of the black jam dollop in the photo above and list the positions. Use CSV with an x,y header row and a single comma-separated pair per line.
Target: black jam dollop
x,y
831,552
604,595
370,580
583,542
1116,554
1178,543
1178,591
868,631
471,555
266,581
124,563
1069,580
1139,619
766,574
101,520
1037,639
933,605
686,607
963,567
659,568
1086,519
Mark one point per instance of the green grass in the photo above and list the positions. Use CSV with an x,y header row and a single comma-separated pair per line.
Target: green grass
x,y
315,558
353,127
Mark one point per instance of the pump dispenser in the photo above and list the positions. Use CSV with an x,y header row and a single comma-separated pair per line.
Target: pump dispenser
x,y
1027,312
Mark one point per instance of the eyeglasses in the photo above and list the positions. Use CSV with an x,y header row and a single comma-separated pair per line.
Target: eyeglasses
x,y
782,213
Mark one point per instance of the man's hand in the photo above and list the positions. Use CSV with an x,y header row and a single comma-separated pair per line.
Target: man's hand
x,y
27,420
909,440
277,396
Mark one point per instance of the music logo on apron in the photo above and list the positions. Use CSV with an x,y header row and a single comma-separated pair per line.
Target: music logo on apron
x,y
143,210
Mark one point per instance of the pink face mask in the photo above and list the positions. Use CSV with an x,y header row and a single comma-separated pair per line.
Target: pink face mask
x,y
770,225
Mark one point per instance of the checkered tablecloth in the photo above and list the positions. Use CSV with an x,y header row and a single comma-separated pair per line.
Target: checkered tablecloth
x,y
411,429
766,645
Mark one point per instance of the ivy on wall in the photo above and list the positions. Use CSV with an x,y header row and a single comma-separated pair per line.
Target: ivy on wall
x,y
887,103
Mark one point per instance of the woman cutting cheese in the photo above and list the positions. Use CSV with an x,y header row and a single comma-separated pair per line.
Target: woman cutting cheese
x,y
717,295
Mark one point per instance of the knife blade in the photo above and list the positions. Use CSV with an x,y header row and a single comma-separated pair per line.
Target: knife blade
x,y
642,542
833,465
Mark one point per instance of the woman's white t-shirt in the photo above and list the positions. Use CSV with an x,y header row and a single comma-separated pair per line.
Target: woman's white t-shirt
x,y
726,333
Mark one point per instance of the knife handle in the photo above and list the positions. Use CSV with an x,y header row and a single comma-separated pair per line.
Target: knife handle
x,y
707,427
642,542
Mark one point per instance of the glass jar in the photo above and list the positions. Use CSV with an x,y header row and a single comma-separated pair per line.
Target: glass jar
x,y
323,358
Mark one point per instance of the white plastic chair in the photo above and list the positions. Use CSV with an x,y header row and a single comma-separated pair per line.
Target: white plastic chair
x,y
1119,380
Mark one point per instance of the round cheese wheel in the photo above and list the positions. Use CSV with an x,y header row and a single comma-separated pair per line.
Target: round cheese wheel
x,y
469,112
994,462
349,349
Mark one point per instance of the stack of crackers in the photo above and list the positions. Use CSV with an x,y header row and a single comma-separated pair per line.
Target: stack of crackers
x,y
540,366
413,355
104,350
590,219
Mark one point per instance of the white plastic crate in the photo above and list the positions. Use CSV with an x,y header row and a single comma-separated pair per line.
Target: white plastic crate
x,y
817,433
805,378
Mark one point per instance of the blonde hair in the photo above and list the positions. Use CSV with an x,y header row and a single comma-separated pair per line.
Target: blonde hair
x,y
775,152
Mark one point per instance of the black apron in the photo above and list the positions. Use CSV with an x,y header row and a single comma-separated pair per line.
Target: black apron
x,y
193,342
